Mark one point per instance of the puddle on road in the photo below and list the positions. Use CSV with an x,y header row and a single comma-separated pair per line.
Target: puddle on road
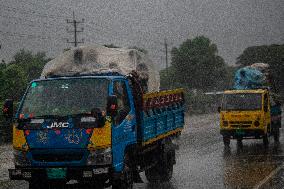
x,y
246,167
242,174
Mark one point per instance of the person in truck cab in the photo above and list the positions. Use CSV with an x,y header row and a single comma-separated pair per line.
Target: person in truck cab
x,y
123,106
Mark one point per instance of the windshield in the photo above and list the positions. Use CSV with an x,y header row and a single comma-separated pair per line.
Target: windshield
x,y
241,102
65,97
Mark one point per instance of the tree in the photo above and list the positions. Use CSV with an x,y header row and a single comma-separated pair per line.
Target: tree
x,y
15,75
197,65
270,54
168,79
13,81
32,64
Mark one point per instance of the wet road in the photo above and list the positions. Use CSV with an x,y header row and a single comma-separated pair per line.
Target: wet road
x,y
202,161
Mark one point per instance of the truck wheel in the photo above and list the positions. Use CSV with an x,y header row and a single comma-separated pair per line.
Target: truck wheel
x,y
163,170
126,179
91,184
226,141
276,134
159,173
36,184
240,143
266,140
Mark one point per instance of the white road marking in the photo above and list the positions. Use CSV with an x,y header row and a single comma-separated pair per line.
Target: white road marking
x,y
268,178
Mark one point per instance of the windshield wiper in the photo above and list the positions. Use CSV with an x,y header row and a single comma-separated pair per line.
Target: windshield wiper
x,y
81,114
49,116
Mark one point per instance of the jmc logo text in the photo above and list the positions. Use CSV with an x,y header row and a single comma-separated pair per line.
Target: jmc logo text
x,y
58,125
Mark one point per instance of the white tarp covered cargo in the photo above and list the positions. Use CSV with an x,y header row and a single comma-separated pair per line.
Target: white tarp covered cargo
x,y
100,59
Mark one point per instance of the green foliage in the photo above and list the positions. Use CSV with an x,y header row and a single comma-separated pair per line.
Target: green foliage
x,y
273,55
197,65
199,103
31,64
15,75
168,80
13,81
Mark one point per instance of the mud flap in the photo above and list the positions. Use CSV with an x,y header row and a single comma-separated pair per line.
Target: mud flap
x,y
136,177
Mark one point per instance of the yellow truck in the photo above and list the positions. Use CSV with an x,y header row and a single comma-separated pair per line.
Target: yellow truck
x,y
248,114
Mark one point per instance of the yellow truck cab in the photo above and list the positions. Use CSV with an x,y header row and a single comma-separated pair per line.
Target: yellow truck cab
x,y
246,114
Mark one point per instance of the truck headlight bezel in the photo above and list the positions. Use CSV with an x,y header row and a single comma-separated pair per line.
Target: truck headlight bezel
x,y
225,123
100,157
20,158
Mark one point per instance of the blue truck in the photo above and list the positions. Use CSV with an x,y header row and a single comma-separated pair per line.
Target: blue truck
x,y
98,129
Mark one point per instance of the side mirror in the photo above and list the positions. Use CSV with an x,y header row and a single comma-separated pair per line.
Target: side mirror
x,y
219,109
265,108
112,105
8,108
97,113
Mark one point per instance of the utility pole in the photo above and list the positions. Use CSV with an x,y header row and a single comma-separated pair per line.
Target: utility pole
x,y
76,30
166,51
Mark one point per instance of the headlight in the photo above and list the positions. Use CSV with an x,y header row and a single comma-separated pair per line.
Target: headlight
x,y
19,140
20,158
225,123
256,123
100,157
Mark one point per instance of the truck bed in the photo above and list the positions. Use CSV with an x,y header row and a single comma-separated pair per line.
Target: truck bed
x,y
162,115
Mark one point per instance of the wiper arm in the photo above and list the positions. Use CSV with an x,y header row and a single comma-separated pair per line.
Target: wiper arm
x,y
61,116
48,116
81,114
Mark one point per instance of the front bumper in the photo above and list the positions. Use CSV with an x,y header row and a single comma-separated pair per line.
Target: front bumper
x,y
242,133
63,173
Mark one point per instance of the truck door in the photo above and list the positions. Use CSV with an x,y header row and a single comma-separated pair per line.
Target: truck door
x,y
266,108
124,125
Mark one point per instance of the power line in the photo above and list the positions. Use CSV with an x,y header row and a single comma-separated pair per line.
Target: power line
x,y
30,12
75,31
29,23
166,49
23,35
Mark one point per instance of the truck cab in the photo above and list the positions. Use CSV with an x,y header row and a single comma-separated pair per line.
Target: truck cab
x,y
91,128
246,114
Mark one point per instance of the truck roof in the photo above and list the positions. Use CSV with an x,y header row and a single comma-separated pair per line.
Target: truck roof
x,y
245,91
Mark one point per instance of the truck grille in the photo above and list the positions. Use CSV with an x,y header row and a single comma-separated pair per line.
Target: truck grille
x,y
57,157
240,123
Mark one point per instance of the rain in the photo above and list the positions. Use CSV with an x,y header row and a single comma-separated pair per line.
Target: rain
x,y
81,82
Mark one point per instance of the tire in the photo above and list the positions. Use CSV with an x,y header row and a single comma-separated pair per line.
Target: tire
x,y
126,179
265,140
276,134
163,170
240,143
39,184
91,184
159,173
226,141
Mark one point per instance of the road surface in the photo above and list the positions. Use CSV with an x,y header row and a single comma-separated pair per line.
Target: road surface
x,y
202,161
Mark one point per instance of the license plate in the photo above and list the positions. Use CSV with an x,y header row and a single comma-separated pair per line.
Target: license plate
x,y
240,132
56,173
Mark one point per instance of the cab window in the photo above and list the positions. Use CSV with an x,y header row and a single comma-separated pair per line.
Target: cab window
x,y
265,102
120,90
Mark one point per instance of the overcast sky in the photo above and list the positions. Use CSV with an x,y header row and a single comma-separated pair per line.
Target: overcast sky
x,y
232,24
